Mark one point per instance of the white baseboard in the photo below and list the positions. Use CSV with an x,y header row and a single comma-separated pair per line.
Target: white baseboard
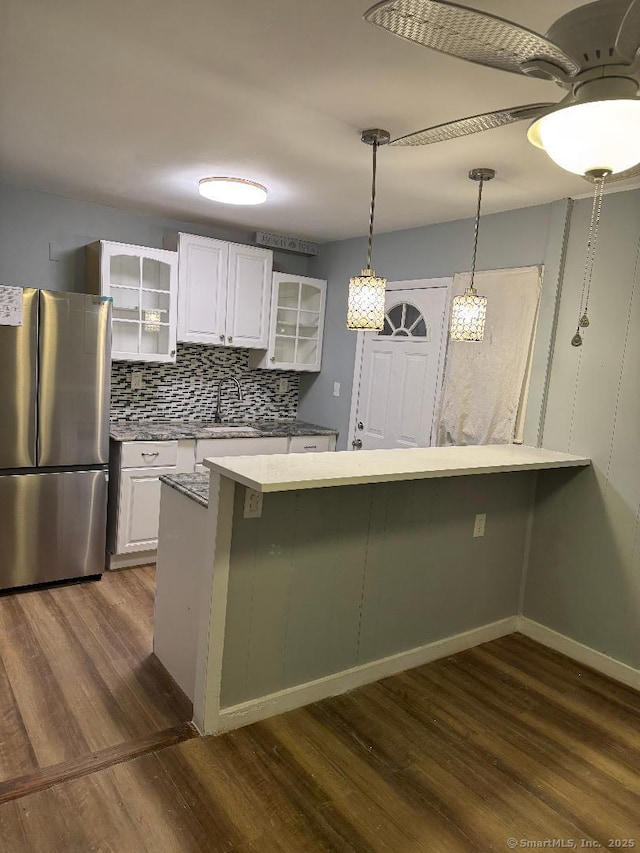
x,y
135,558
312,691
577,651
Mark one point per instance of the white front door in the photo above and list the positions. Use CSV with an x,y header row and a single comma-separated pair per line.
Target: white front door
x,y
401,371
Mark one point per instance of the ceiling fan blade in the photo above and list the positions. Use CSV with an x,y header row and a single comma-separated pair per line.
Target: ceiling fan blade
x,y
467,33
473,124
628,38
633,172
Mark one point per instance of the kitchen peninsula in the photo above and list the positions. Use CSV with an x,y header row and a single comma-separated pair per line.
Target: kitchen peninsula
x,y
313,574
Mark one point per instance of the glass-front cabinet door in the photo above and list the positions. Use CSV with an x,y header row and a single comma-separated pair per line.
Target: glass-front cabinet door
x,y
297,321
142,283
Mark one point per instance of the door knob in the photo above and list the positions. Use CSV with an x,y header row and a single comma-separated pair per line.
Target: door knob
x,y
356,444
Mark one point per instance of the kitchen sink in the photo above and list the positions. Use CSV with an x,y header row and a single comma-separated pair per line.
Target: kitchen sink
x,y
229,428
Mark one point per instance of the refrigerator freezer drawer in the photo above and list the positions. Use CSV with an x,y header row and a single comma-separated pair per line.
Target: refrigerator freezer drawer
x,y
52,526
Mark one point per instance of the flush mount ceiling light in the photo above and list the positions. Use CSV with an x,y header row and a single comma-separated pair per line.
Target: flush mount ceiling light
x,y
365,307
469,311
592,51
232,190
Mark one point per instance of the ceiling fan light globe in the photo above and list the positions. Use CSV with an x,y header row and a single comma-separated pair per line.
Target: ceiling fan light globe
x,y
232,190
597,135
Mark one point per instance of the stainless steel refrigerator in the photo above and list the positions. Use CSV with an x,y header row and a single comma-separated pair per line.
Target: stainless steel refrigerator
x,y
54,438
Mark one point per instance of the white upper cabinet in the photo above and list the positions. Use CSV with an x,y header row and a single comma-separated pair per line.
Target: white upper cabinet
x,y
202,289
225,292
143,284
296,324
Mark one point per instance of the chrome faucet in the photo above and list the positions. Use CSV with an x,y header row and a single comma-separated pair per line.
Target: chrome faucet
x,y
217,417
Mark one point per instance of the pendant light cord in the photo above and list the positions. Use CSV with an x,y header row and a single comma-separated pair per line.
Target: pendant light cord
x,y
476,233
373,201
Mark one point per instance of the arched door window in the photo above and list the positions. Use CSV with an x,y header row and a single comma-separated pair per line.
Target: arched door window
x,y
404,321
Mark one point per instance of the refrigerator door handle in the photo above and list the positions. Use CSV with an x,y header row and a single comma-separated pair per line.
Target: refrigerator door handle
x,y
18,386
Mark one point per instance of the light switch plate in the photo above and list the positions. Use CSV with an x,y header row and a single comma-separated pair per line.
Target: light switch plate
x,y
336,389
283,386
136,380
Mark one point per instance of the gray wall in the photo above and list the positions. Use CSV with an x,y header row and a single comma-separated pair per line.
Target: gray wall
x,y
328,579
35,226
584,571
517,238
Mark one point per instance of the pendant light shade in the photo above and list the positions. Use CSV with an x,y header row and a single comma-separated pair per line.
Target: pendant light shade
x,y
469,311
367,291
468,315
365,308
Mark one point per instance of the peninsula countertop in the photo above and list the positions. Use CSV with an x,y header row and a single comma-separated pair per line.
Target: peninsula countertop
x,y
280,472
171,430
194,486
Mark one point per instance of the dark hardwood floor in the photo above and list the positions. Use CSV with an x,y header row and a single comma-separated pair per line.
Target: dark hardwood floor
x,y
505,741
77,678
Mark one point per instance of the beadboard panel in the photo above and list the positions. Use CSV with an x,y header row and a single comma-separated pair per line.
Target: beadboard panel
x,y
188,389
584,573
335,578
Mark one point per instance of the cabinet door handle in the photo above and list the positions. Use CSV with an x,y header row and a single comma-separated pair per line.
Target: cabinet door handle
x,y
221,337
230,338
357,444
152,455
310,446
172,353
273,358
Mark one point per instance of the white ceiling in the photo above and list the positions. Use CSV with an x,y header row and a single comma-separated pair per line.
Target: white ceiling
x,y
128,104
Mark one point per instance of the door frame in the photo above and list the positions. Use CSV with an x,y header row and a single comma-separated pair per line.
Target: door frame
x,y
410,284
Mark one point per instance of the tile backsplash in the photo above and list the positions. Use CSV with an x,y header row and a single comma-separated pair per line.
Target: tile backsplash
x,y
188,388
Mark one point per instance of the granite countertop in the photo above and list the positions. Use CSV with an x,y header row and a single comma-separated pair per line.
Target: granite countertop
x,y
170,430
194,486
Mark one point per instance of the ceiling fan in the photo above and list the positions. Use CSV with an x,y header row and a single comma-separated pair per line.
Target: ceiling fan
x,y
592,51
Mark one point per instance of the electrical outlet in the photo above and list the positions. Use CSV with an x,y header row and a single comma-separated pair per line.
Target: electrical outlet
x,y
336,389
479,525
252,504
283,386
136,380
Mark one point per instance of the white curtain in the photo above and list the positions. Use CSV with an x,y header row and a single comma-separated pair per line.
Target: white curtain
x,y
485,383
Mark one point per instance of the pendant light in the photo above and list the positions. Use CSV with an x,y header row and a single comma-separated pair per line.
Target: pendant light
x,y
469,311
365,308
599,176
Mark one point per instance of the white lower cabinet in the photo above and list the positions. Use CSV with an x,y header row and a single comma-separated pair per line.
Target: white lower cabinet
x,y
135,468
311,443
240,446
139,508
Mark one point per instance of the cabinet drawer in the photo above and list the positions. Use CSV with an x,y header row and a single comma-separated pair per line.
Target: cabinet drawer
x,y
239,446
310,443
148,454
